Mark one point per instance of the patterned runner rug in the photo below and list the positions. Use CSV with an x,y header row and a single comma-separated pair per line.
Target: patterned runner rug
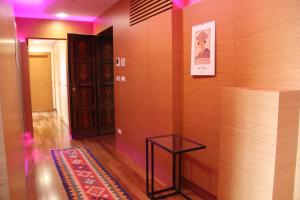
x,y
84,178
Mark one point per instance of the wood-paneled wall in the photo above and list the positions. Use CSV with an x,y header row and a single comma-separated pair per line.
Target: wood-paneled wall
x,y
256,47
259,142
11,104
267,47
267,44
202,95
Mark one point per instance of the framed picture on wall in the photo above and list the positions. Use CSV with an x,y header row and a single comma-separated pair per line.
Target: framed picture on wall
x,y
203,49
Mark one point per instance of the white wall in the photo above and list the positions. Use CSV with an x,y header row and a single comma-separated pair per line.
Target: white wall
x,y
61,80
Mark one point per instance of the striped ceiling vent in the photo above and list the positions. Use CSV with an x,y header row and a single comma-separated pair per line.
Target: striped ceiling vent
x,y
141,10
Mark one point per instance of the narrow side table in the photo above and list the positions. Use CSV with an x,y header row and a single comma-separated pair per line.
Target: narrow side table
x,y
177,146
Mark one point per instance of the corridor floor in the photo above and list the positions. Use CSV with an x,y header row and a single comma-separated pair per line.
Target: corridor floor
x,y
43,181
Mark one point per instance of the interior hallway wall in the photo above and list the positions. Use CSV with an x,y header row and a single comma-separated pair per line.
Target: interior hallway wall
x,y
61,79
47,28
253,49
202,95
268,49
11,104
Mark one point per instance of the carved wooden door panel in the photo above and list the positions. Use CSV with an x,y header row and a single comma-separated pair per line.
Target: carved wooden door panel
x,y
105,85
82,85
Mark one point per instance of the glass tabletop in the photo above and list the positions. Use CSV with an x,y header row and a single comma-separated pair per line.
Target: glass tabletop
x,y
176,143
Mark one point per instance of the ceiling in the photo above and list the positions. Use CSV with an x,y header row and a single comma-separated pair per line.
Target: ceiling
x,y
78,10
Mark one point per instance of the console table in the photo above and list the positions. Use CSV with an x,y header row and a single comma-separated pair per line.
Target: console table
x,y
177,146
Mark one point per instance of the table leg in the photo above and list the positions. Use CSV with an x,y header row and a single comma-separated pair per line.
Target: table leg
x,y
152,171
147,169
180,173
174,172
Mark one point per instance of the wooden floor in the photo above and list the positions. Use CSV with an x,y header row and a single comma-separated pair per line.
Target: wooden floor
x,y
44,183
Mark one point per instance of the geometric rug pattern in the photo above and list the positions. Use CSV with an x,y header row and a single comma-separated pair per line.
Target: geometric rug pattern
x,y
83,176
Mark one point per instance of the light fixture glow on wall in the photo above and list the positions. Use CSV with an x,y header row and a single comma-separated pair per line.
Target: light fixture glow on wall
x,y
62,15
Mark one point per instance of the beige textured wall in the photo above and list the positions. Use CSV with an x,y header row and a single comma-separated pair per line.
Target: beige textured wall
x,y
267,47
10,95
258,144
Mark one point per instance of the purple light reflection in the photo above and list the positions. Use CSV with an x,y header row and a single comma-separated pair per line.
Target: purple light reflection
x,y
28,142
28,2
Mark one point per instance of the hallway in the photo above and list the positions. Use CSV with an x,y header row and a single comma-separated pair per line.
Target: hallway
x,y
50,132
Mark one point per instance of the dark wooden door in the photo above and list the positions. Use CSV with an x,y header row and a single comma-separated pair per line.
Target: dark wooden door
x,y
105,84
82,85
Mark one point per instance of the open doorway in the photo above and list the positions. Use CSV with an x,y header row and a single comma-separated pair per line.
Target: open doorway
x,y
48,76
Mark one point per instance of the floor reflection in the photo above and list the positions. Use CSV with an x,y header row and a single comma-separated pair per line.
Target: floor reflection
x,y
43,180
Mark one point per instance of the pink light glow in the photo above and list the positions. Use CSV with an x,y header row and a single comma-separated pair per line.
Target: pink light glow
x,y
28,2
43,9
28,140
183,3
35,155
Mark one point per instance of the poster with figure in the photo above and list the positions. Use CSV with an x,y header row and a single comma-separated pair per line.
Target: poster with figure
x,y
203,49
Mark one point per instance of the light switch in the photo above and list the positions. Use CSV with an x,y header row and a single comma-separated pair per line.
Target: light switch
x,y
118,62
119,131
118,78
123,62
123,78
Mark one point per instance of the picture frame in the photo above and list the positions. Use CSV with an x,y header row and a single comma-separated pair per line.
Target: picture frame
x,y
203,49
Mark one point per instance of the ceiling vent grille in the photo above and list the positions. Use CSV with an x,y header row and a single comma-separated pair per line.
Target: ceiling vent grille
x,y
141,10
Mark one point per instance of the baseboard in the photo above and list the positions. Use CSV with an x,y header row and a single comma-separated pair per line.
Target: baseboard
x,y
199,190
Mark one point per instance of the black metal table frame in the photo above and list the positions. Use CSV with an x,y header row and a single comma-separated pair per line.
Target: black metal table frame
x,y
176,190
